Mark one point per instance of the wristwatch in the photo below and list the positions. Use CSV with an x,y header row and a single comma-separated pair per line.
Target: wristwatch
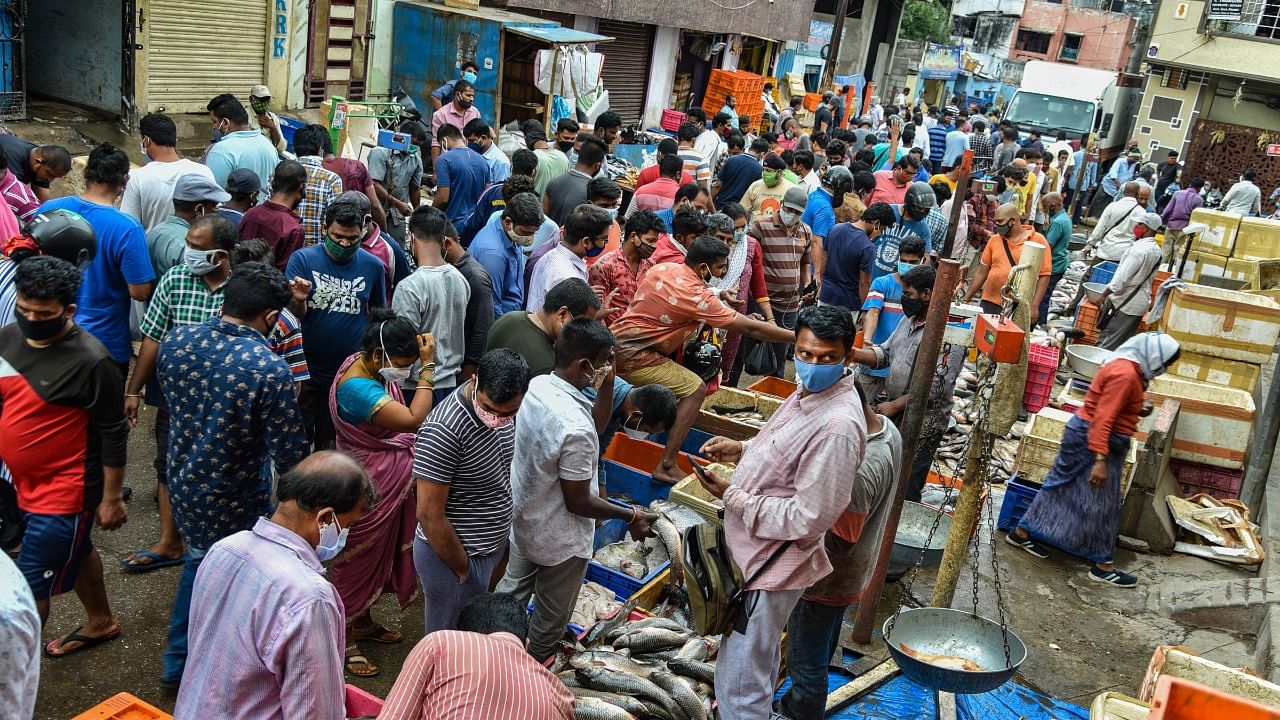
x,y
1099,457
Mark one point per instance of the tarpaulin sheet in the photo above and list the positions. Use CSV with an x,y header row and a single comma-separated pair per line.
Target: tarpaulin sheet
x,y
901,699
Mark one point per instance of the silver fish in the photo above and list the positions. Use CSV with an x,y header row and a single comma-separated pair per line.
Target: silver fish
x,y
592,708
705,672
695,648
610,660
649,622
630,704
685,697
604,627
669,536
649,640
628,684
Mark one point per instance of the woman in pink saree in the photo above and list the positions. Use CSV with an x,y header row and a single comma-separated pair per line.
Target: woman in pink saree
x,y
375,426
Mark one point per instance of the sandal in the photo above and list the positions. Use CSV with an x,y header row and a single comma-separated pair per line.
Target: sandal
x,y
85,641
155,561
377,633
358,664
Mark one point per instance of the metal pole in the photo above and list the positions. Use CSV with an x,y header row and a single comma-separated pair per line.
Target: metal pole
x,y
833,48
922,374
957,203
970,503
1258,468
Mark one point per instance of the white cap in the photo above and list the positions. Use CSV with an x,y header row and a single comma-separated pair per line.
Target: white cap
x,y
260,91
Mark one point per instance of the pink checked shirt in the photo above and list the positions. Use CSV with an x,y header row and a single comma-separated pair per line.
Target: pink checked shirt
x,y
793,482
266,634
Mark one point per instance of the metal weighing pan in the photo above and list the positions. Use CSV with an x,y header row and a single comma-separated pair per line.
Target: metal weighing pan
x,y
913,531
943,631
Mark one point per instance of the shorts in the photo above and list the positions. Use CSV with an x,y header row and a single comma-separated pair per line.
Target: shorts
x,y
53,547
681,380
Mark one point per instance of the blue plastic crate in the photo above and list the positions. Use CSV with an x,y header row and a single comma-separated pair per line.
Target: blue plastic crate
x,y
693,442
1017,498
609,532
289,126
1103,272
637,487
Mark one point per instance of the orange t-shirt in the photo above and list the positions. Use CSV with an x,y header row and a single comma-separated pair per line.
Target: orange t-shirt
x,y
995,258
668,308
615,239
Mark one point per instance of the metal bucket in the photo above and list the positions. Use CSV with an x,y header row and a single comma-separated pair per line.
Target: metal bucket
x,y
943,631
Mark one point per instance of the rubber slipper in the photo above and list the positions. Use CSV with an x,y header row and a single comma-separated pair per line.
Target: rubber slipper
x,y
75,636
379,634
360,660
157,561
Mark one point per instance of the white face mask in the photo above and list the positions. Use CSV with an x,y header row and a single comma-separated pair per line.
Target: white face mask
x,y
635,433
393,374
333,537
788,217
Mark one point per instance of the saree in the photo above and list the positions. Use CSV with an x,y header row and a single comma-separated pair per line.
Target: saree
x,y
378,556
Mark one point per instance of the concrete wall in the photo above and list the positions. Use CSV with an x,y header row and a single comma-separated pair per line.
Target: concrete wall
x,y
662,70
973,7
74,52
777,20
1105,36
1156,136
1181,44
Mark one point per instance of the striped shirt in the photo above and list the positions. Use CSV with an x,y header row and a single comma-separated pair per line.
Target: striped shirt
x,y
794,481
454,448
696,165
323,187
180,299
8,293
286,341
18,196
786,252
455,675
266,632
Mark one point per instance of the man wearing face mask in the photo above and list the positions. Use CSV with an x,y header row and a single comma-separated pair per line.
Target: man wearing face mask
x,y
911,219
263,120
672,303
1130,288
149,194
274,221
787,246
232,403
1002,253
443,95
397,179
898,356
457,113
532,334
461,174
554,482
480,139
65,446
499,247
236,145
794,481
564,194
194,195
763,197
266,626
850,257
618,272
586,232
346,281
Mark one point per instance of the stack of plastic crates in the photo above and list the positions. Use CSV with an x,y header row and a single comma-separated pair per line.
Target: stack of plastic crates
x,y
746,88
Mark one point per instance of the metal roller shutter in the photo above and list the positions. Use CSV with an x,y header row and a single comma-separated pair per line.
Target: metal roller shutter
x,y
626,66
196,50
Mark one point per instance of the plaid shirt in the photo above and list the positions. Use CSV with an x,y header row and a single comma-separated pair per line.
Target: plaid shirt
x,y
937,223
980,143
323,187
180,299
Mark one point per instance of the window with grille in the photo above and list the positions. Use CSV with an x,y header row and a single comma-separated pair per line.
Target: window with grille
x,y
1175,78
1031,41
1259,18
1070,51
964,26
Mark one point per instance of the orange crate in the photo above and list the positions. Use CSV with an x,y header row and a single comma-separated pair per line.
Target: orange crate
x,y
811,101
1178,699
1087,320
123,707
773,387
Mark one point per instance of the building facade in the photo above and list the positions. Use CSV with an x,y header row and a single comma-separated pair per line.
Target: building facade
x,y
1080,32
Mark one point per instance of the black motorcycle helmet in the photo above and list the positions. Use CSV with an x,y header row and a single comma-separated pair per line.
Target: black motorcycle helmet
x,y
919,201
61,234
703,358
839,179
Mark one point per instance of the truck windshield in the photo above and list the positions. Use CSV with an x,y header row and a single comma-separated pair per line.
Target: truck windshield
x,y
1049,112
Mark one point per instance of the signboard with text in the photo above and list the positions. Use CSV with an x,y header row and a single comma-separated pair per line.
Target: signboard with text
x,y
1273,150
940,62
1230,10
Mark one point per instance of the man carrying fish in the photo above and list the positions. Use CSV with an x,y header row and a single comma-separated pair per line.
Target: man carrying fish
x,y
792,483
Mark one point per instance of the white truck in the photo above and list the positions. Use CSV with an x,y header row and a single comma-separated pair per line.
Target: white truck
x,y
1079,100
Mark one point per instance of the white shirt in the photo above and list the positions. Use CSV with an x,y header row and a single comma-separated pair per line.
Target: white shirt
x,y
1133,275
1243,198
811,181
555,440
558,264
20,638
1060,145
148,196
1114,232
711,147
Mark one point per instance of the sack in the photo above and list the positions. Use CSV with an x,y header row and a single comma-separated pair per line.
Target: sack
x,y
760,360
714,581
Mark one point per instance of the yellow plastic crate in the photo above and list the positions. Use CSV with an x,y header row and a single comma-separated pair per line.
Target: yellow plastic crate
x,y
1217,371
1257,239
690,493
1223,323
1220,238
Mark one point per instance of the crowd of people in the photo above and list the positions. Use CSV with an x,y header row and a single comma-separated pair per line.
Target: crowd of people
x,y
398,376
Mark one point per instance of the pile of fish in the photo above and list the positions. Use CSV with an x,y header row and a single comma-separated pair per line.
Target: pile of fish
x,y
595,602
1065,291
747,416
632,669
965,412
639,559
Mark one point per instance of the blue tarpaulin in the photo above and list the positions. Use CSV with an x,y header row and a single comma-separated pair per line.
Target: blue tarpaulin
x,y
901,699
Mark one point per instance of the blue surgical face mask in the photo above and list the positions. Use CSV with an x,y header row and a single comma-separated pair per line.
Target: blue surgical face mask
x,y
469,77
905,267
333,537
199,262
816,378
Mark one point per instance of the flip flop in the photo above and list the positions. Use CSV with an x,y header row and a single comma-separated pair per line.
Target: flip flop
x,y
358,660
157,561
378,634
75,636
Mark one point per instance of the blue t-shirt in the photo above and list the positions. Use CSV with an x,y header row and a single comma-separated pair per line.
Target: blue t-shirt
x,y
885,295
849,254
887,243
736,175
818,214
490,202
338,309
465,173
122,260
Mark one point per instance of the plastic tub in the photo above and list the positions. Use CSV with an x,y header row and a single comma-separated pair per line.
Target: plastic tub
x,y
1017,499
123,706
692,444
627,467
1103,272
773,387
361,703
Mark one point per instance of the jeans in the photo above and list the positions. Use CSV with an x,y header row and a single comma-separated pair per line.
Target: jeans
x,y
813,633
175,653
1054,279
788,321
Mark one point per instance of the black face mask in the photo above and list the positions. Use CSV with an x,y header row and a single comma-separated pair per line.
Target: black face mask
x,y
39,330
913,307
565,147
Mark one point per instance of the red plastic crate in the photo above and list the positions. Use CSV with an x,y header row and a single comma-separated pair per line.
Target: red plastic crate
x,y
1218,482
1042,367
672,120
1179,699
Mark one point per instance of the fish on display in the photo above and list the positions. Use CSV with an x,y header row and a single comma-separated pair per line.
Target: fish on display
x,y
951,662
594,708
687,700
629,704
627,684
626,556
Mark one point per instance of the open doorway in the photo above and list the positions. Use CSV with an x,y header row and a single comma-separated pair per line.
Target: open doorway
x,y
85,53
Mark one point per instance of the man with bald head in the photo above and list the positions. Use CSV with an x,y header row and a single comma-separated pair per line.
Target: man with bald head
x,y
1001,254
1114,232
267,633
1057,233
